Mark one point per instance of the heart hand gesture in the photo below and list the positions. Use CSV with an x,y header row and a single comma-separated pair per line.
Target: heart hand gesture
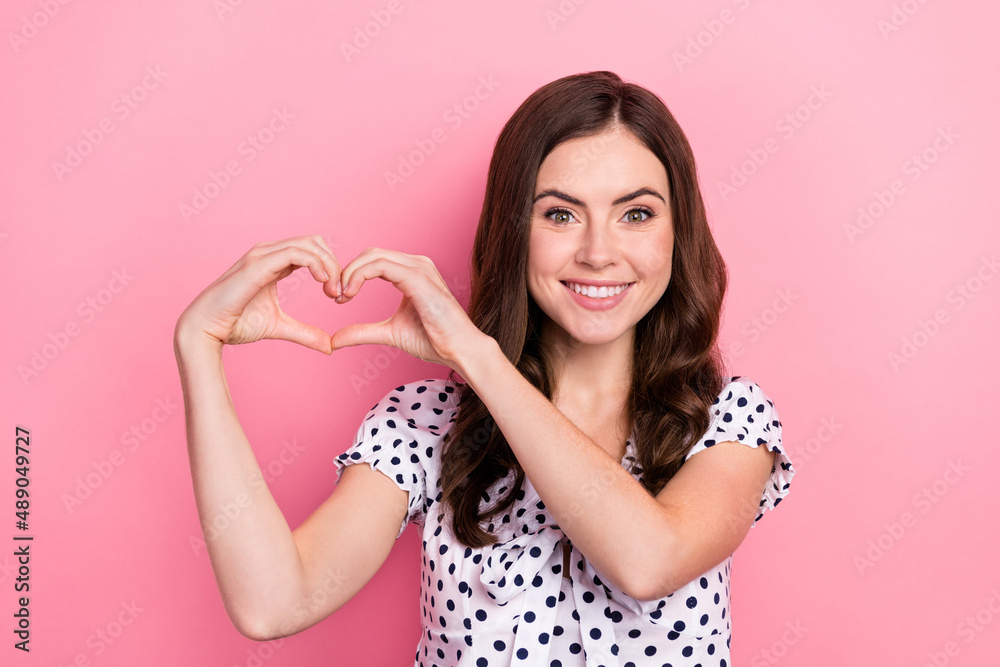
x,y
241,306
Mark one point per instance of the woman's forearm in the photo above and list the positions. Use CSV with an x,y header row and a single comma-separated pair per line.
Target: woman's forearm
x,y
603,510
253,554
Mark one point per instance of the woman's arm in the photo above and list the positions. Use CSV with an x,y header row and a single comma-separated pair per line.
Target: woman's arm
x,y
253,555
647,547
273,582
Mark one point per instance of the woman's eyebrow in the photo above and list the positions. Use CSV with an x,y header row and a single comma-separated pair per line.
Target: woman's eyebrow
x,y
621,200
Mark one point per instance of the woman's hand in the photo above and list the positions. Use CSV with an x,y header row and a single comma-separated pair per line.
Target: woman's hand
x,y
242,305
429,324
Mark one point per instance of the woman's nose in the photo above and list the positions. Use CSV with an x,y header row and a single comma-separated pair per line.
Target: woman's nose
x,y
597,246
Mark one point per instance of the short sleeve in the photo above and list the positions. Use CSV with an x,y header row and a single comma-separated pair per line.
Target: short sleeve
x,y
742,412
401,437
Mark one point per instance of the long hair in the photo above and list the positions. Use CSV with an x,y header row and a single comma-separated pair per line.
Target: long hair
x,y
677,367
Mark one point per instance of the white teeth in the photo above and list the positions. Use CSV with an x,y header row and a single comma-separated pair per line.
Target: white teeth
x,y
597,292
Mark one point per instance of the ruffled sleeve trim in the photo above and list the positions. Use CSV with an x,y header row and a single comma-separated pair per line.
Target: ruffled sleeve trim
x,y
743,413
400,436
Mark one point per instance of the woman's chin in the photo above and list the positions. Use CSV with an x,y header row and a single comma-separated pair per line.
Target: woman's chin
x,y
577,337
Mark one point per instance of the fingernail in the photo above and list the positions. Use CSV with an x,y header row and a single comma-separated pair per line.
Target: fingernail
x,y
339,291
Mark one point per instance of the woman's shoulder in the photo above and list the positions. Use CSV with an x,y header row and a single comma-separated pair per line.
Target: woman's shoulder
x,y
740,394
739,384
426,404
422,393
741,412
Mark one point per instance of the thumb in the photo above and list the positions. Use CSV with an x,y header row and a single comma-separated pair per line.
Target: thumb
x,y
368,333
308,335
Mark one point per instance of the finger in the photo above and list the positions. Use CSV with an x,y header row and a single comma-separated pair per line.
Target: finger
x,y
322,241
266,246
250,257
377,263
290,329
313,243
331,267
268,267
370,254
376,333
332,287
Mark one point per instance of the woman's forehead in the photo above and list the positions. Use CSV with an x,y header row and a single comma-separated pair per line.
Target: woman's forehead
x,y
602,167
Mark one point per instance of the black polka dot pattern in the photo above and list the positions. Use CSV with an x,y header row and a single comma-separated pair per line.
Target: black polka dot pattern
x,y
742,413
509,603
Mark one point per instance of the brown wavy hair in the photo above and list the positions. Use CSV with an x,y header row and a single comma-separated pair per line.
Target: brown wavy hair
x,y
677,365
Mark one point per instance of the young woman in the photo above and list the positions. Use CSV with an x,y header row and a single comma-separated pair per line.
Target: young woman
x,y
586,471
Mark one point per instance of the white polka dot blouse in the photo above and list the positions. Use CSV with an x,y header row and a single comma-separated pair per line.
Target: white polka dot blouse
x,y
511,603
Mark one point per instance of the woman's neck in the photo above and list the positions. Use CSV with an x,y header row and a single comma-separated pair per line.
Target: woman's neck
x,y
590,377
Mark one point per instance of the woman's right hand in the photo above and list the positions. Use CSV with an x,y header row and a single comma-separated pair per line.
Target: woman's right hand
x,y
241,306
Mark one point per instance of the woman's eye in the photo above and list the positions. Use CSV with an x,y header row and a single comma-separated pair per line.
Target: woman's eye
x,y
559,215
636,215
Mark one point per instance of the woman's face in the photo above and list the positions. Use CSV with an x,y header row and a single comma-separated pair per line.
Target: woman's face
x,y
602,238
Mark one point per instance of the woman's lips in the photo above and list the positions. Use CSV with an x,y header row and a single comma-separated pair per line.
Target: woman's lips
x,y
597,303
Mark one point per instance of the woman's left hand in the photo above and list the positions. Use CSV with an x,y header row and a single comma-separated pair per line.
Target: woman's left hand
x,y
429,324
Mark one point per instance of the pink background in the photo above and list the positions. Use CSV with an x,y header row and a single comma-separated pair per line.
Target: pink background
x,y
882,553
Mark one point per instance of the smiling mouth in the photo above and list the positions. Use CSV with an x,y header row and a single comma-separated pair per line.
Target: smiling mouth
x,y
595,292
